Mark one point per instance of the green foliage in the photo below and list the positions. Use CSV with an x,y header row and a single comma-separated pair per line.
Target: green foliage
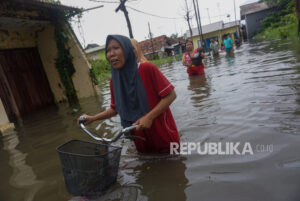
x,y
282,23
100,71
285,28
64,64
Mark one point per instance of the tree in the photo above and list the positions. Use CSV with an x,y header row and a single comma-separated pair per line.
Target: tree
x,y
188,16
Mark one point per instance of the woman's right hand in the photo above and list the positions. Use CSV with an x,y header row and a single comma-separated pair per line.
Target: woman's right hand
x,y
89,119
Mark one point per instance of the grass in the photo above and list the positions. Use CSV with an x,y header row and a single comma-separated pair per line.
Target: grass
x,y
100,71
165,60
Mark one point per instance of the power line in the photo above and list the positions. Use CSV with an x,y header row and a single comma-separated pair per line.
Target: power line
x,y
103,1
171,18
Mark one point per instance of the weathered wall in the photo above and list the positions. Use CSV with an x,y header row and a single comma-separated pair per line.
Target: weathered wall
x,y
3,116
48,52
44,40
17,39
81,78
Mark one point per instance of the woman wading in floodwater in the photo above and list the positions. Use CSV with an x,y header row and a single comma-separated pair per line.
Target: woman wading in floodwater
x,y
141,95
192,59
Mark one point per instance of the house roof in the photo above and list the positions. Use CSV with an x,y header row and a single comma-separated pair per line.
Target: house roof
x,y
216,26
94,49
43,7
253,8
36,13
48,4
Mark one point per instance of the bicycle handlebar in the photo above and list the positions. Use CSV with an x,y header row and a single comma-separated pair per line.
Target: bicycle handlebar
x,y
82,121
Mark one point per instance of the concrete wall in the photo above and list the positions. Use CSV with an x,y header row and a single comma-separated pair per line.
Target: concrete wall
x,y
48,52
81,78
253,21
17,39
3,116
44,40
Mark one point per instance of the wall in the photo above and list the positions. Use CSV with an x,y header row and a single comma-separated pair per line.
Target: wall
x,y
93,56
100,54
253,21
218,34
3,116
81,78
17,39
48,53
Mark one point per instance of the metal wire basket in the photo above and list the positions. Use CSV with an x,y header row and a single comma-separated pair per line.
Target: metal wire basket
x,y
89,168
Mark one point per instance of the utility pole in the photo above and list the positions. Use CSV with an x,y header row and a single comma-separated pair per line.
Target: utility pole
x,y
199,19
208,15
198,25
237,29
122,7
218,5
150,35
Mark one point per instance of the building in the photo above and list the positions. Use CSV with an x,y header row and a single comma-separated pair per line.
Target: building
x,y
41,60
162,46
95,52
214,30
253,14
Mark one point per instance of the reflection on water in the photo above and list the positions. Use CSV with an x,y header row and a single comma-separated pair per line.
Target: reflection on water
x,y
252,97
23,176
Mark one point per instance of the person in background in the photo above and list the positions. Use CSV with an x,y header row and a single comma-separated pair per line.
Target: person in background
x,y
214,47
141,95
228,45
222,47
192,59
138,51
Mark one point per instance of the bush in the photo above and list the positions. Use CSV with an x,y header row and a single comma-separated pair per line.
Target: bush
x,y
100,70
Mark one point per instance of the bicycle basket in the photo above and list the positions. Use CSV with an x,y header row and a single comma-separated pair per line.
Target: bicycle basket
x,y
89,168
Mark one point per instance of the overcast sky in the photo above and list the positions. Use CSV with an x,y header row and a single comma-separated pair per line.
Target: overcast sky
x,y
97,24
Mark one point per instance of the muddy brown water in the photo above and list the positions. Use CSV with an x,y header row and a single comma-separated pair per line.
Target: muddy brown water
x,y
253,97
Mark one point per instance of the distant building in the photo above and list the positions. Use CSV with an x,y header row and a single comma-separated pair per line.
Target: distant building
x,y
162,46
214,30
95,52
253,14
92,45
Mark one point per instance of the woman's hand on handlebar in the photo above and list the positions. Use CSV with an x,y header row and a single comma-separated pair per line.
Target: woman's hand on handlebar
x,y
88,119
144,122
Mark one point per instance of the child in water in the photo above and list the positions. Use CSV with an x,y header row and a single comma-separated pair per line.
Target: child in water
x,y
141,95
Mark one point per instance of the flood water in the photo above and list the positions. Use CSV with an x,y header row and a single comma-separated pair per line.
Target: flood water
x,y
251,98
